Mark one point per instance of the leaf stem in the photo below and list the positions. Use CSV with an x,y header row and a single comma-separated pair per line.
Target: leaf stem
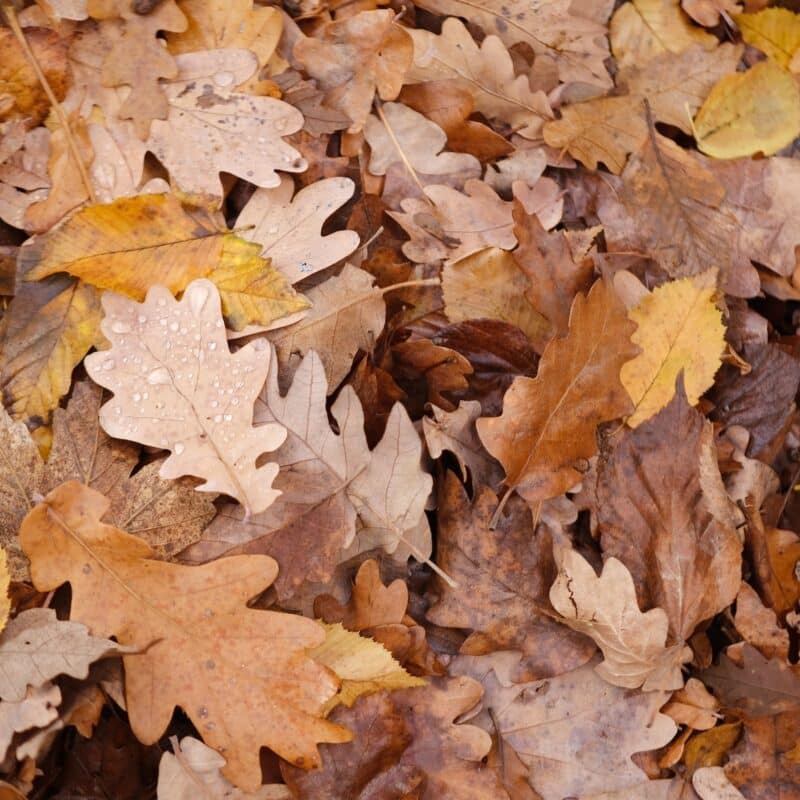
x,y
406,284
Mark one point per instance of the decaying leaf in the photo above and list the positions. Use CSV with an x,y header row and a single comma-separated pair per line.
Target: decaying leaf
x,y
184,391
212,654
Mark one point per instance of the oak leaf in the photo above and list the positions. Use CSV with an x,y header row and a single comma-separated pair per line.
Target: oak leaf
x,y
347,315
35,647
656,494
38,709
485,71
503,577
679,330
605,608
186,392
757,111
572,39
549,423
242,676
288,228
355,57
405,743
575,732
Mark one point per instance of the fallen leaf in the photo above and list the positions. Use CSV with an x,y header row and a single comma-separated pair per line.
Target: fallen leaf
x,y
708,12
189,394
576,389
758,625
604,607
39,708
5,580
35,647
679,330
682,558
289,228
355,57
143,607
757,111
774,31
693,706
503,577
405,741
711,783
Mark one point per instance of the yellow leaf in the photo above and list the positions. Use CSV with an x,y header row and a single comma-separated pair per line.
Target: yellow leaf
x,y
136,242
642,29
774,31
363,665
749,112
680,329
5,580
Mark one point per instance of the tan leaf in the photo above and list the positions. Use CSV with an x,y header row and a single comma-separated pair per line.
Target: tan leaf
x,y
288,228
642,29
605,608
196,767
196,633
489,283
486,72
549,423
355,57
5,582
759,625
711,783
138,60
575,41
708,12
227,131
681,557
575,732
347,315
186,392
694,706
35,647
409,138
39,708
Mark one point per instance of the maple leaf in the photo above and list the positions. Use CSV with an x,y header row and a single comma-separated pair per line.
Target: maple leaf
x,y
137,60
355,57
503,577
404,741
549,422
347,315
573,40
185,391
36,647
229,131
288,228
734,120
605,608
195,627
486,72
679,330
575,732
683,557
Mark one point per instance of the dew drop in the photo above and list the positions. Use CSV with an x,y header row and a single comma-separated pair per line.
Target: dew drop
x,y
108,364
224,78
183,331
218,323
217,417
179,448
235,401
198,294
162,302
142,319
214,403
212,345
136,397
228,418
118,326
202,712
280,124
158,376
273,229
163,321
173,326
145,395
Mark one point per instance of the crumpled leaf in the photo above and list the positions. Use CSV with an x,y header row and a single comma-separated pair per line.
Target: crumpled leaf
x,y
485,71
757,111
575,732
549,423
35,647
605,608
186,392
355,57
405,741
196,634
229,131
679,330
39,708
363,665
658,513
555,30
288,228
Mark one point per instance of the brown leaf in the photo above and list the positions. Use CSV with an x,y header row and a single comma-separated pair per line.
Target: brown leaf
x,y
197,633
656,516
549,423
405,741
758,625
762,400
503,577
352,58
